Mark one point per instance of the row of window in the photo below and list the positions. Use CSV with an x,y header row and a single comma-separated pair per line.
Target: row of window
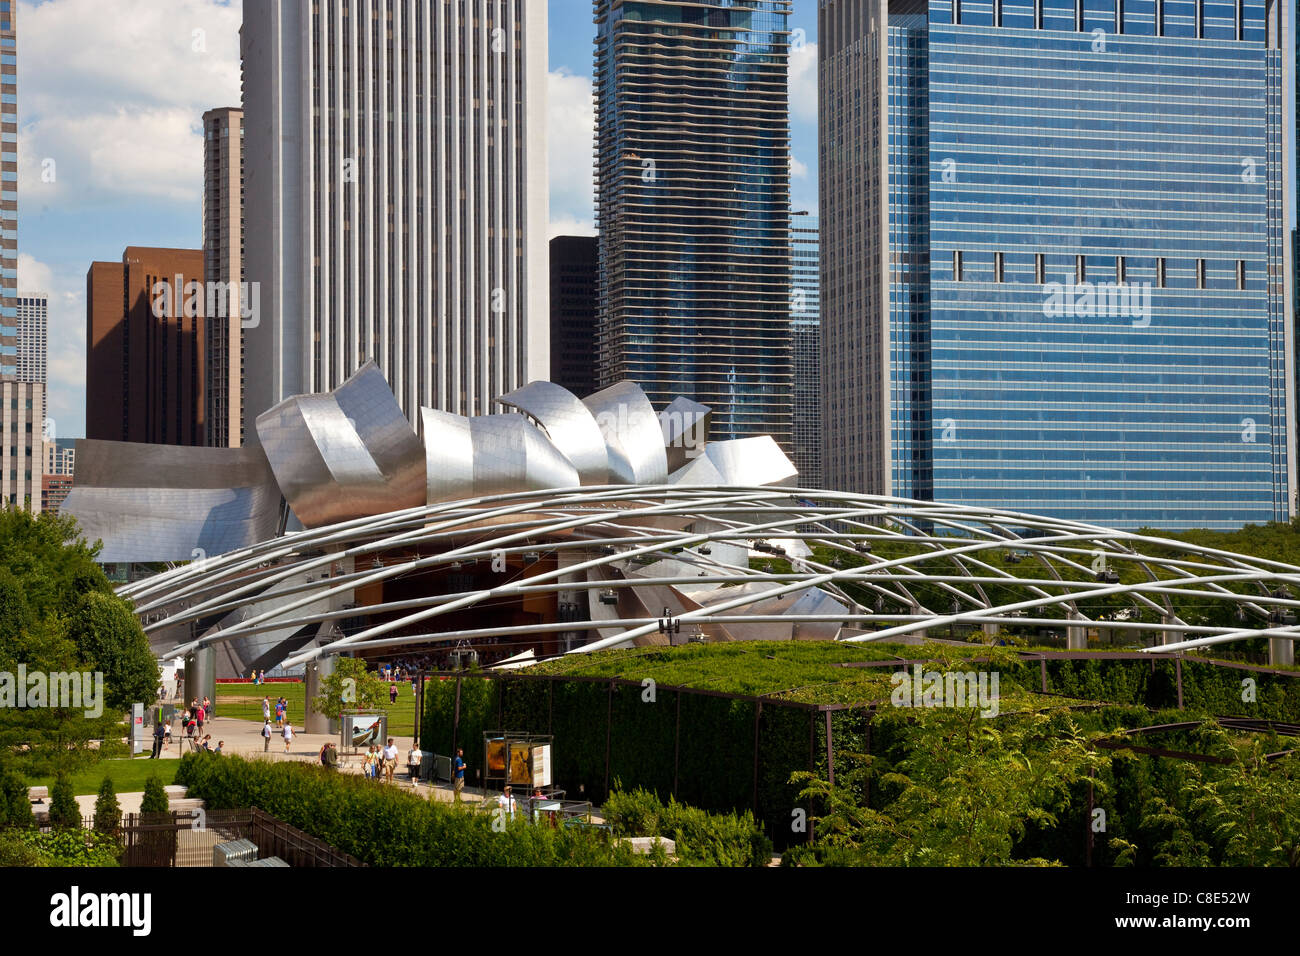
x,y
1081,270
1122,17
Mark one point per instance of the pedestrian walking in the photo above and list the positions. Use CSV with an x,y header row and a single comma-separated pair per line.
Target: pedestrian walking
x,y
458,773
208,710
413,764
266,736
288,736
266,709
392,693
390,755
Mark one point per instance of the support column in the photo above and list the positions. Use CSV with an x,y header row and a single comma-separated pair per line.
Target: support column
x,y
1076,638
1281,652
317,671
992,630
1170,637
200,675
918,637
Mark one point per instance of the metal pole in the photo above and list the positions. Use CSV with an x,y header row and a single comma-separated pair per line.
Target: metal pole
x,y
455,723
609,730
419,706
677,742
812,757
830,750
1178,674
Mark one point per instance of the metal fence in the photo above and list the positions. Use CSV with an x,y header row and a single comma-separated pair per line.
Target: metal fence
x,y
188,838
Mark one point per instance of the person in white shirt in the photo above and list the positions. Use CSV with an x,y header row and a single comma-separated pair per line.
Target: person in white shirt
x,y
390,760
507,802
288,735
413,764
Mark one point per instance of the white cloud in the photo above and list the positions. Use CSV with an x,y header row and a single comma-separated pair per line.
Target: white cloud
x,y
571,139
66,359
121,116
566,226
803,84
798,169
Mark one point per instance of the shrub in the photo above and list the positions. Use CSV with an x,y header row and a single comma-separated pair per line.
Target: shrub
x,y
15,807
108,812
17,849
155,797
64,811
703,839
384,826
81,848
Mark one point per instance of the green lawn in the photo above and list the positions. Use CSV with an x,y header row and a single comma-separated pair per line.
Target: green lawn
x,y
128,775
244,701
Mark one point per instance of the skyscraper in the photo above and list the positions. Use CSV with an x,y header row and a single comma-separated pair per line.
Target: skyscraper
x,y
33,330
396,198
33,341
21,405
8,188
144,347
223,262
693,162
1055,277
573,313
22,398
805,332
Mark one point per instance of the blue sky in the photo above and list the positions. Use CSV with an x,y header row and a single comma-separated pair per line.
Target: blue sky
x,y
111,148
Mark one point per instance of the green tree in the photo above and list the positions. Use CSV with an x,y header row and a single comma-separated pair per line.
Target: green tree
x,y
58,615
155,797
107,635
963,794
15,807
108,812
350,687
64,811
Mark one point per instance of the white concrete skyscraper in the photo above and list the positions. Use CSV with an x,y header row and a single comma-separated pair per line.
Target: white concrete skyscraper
x,y
396,198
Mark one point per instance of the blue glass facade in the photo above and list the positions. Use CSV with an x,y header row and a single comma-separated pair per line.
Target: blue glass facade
x,y
1086,311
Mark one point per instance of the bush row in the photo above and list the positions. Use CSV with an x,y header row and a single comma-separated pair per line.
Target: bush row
x,y
384,826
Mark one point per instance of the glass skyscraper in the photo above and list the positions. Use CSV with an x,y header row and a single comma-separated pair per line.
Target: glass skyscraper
x,y
1070,293
805,331
693,141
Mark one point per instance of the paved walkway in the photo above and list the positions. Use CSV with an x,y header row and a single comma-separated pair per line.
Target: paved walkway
x,y
244,737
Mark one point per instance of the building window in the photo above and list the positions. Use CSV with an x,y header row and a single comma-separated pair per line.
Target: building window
x,y
999,268
1241,275
956,266
1080,269
1160,273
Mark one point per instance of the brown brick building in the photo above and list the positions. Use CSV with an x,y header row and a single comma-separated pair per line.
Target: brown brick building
x,y
145,347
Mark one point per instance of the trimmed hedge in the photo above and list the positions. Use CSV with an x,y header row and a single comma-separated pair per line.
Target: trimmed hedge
x,y
384,826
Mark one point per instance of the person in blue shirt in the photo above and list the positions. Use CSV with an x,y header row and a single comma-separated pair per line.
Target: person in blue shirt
x,y
458,773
